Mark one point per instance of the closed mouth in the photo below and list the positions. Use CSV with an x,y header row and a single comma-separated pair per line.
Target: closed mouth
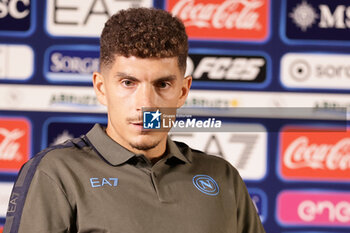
x,y
137,123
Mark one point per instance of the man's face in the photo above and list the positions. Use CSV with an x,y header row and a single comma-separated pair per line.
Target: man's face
x,y
132,83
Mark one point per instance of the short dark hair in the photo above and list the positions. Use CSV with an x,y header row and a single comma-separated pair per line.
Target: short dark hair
x,y
144,33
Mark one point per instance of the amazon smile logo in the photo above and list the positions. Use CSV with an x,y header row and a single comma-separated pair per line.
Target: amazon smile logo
x,y
206,185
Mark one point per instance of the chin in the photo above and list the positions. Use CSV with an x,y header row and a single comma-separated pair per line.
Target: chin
x,y
145,142
144,146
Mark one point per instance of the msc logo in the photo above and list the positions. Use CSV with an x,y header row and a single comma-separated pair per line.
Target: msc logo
x,y
15,15
304,16
151,120
206,185
318,19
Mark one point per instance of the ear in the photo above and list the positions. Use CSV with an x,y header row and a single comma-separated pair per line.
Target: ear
x,y
99,87
186,85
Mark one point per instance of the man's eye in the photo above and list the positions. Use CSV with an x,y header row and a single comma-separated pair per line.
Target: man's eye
x,y
163,84
128,83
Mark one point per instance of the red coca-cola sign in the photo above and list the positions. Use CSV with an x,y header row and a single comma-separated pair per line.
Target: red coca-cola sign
x,y
246,20
315,154
14,143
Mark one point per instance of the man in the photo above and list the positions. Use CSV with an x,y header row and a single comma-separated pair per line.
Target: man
x,y
122,178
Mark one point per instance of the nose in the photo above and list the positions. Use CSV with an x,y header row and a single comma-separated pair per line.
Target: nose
x,y
145,96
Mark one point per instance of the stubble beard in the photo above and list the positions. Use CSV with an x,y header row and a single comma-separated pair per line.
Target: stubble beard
x,y
144,146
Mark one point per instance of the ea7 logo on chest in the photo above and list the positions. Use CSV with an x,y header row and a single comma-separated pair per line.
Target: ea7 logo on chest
x,y
99,182
206,184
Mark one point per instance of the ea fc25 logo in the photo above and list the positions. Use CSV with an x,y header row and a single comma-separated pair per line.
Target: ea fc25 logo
x,y
14,143
227,70
223,20
314,154
317,20
15,15
151,120
206,185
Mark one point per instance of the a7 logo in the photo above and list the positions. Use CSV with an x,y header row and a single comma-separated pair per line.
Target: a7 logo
x,y
246,151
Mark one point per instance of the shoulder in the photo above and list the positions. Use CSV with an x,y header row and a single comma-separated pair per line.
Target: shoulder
x,y
54,157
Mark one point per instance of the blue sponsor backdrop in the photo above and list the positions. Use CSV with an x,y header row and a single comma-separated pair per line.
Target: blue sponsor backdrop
x,y
321,26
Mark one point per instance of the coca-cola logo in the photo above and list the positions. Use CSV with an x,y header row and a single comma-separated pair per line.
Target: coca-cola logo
x,y
14,143
230,19
321,208
301,153
315,153
9,147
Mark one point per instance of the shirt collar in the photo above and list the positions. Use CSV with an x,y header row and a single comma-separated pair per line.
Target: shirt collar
x,y
116,154
174,150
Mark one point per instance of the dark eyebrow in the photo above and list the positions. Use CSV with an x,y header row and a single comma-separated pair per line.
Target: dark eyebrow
x,y
130,77
166,78
127,76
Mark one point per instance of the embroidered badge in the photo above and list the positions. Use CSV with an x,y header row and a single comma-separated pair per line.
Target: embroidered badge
x,y
206,185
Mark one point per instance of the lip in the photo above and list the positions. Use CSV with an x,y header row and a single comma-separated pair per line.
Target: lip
x,y
138,124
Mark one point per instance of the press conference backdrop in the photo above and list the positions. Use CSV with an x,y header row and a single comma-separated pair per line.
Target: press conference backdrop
x,y
243,53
